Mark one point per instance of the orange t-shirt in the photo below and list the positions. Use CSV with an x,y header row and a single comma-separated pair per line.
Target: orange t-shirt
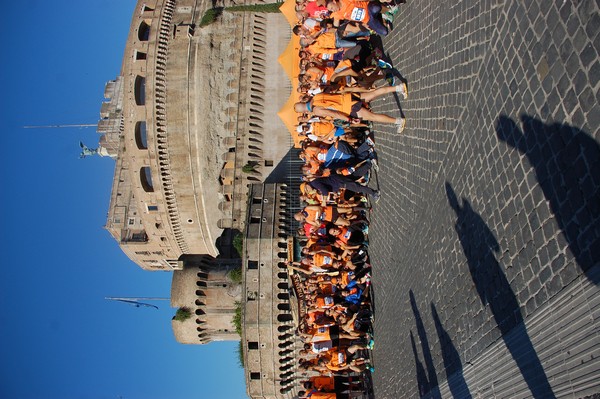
x,y
352,11
311,317
323,383
342,280
324,46
328,213
338,102
325,40
338,359
324,302
323,130
323,395
323,260
344,235
321,75
312,216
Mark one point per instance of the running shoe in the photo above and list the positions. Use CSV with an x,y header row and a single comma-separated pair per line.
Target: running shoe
x,y
400,126
374,165
376,196
384,65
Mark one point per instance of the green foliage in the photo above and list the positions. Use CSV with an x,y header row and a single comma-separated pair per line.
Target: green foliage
x,y
249,167
270,7
236,275
210,16
238,243
237,318
182,314
240,353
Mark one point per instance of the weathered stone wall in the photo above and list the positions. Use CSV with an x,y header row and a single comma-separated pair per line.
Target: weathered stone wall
x,y
208,109
205,288
268,337
138,218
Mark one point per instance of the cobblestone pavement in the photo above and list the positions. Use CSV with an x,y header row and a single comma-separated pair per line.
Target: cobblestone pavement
x,y
485,243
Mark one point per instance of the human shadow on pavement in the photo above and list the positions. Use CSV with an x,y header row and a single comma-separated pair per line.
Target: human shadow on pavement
x,y
567,166
452,364
480,245
422,380
430,368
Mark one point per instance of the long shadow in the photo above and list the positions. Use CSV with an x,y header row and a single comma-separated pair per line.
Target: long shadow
x,y
430,368
422,381
224,244
567,166
288,168
452,364
494,290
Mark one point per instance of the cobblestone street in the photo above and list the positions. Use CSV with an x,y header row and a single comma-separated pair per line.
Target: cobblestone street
x,y
486,241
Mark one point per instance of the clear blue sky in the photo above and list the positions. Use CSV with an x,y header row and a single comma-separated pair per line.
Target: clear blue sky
x,y
59,338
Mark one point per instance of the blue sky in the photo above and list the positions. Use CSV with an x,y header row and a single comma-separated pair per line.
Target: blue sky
x,y
59,337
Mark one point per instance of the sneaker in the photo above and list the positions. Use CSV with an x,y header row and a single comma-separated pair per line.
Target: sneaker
x,y
370,142
371,344
402,89
393,10
383,65
400,126
375,165
376,196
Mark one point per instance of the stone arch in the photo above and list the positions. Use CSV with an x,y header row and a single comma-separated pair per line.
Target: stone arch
x,y
140,90
140,135
144,31
146,179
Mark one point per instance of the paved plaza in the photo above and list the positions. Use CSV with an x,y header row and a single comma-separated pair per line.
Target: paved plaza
x,y
486,241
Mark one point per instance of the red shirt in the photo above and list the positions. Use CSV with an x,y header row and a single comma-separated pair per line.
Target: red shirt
x,y
316,11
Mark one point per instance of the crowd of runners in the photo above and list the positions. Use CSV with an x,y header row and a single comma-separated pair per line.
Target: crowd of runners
x,y
341,72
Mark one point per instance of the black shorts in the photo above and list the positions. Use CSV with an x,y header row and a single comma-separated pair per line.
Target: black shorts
x,y
334,335
357,106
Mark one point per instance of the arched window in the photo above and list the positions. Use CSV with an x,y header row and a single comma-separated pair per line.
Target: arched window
x,y
144,31
140,136
146,179
140,90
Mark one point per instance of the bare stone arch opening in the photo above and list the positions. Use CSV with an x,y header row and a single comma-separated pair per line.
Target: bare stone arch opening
x,y
283,306
146,179
140,90
141,139
144,31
